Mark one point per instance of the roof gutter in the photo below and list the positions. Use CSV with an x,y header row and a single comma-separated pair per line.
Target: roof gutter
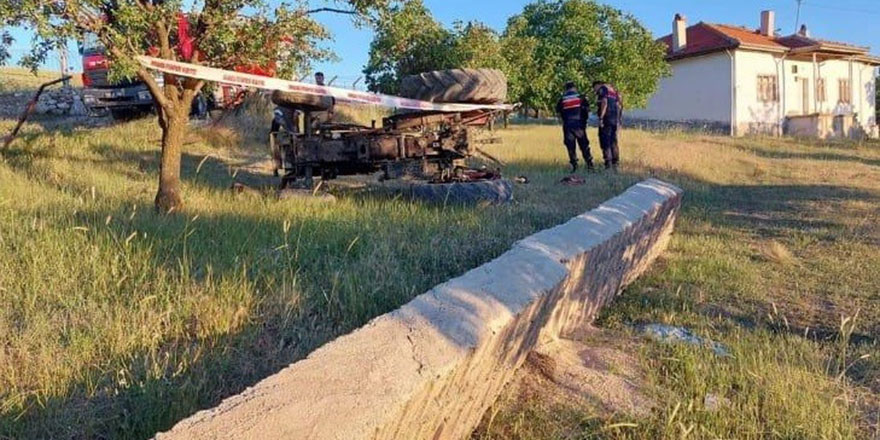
x,y
753,47
762,48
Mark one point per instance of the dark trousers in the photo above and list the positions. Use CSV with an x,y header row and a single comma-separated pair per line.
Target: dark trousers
x,y
608,143
577,136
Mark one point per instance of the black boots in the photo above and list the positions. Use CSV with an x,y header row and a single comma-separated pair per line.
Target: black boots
x,y
590,167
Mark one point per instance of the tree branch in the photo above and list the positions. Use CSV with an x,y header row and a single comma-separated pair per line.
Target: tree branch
x,y
154,87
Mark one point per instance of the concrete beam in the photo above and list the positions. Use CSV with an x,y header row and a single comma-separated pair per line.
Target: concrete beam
x,y
430,369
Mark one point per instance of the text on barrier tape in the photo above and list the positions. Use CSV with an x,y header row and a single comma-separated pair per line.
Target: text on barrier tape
x,y
268,83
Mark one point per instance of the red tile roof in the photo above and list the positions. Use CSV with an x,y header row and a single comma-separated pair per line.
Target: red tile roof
x,y
703,38
748,37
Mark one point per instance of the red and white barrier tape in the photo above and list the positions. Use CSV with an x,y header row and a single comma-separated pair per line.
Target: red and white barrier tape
x,y
268,83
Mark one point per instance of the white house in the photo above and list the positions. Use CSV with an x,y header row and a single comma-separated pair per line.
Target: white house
x,y
752,81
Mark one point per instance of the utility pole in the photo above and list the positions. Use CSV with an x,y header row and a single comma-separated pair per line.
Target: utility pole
x,y
62,56
797,20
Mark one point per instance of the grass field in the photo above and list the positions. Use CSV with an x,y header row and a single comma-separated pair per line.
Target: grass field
x,y
17,79
775,256
117,322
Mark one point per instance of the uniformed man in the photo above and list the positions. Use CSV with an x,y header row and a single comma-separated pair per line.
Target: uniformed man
x,y
321,117
574,110
609,112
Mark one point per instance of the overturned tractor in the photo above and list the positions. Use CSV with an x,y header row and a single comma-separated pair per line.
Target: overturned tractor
x,y
429,148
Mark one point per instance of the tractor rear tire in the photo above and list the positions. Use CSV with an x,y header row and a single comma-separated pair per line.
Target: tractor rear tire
x,y
492,192
302,101
477,86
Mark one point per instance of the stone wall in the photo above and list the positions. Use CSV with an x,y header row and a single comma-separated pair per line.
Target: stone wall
x,y
60,101
430,369
699,126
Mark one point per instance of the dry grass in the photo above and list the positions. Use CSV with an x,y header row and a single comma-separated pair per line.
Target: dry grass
x,y
776,252
777,241
15,79
116,322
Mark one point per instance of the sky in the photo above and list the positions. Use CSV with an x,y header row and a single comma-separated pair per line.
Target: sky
x,y
851,21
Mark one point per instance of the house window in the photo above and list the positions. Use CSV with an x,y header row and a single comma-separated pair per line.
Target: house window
x,y
845,91
767,89
820,89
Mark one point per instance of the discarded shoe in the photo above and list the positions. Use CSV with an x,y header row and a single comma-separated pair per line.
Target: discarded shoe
x,y
573,180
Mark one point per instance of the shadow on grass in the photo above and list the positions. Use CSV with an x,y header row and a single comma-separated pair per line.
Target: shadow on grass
x,y
820,156
226,364
342,284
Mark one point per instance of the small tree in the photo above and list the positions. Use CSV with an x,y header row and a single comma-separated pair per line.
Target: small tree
x,y
408,40
223,33
477,46
552,42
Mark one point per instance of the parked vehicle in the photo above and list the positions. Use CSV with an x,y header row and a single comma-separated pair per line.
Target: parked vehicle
x,y
130,97
122,98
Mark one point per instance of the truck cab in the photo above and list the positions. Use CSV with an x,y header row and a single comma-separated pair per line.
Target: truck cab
x,y
122,98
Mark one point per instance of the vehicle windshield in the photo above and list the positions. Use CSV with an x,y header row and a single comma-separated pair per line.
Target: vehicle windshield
x,y
91,44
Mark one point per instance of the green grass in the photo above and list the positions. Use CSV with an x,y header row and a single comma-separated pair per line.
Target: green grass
x,y
118,322
776,256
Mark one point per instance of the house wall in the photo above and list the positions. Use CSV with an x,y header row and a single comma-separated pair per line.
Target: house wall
x,y
698,91
752,115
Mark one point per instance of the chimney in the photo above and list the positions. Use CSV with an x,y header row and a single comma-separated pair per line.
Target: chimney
x,y
803,31
679,33
768,23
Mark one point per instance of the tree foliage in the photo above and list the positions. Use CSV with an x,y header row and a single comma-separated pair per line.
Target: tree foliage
x,y
552,42
409,41
549,43
224,33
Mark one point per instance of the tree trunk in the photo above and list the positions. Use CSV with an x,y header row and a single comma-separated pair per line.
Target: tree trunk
x,y
168,198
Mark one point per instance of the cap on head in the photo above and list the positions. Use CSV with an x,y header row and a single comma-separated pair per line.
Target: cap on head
x,y
570,85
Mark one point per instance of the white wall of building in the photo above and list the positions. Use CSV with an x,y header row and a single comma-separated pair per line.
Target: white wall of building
x,y
697,90
866,97
752,115
861,79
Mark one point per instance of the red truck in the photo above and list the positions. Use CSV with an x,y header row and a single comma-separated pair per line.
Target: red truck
x,y
122,99
131,97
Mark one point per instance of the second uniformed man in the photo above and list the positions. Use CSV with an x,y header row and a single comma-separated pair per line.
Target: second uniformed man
x,y
574,110
609,111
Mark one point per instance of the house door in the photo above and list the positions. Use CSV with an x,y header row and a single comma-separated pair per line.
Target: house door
x,y
805,96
